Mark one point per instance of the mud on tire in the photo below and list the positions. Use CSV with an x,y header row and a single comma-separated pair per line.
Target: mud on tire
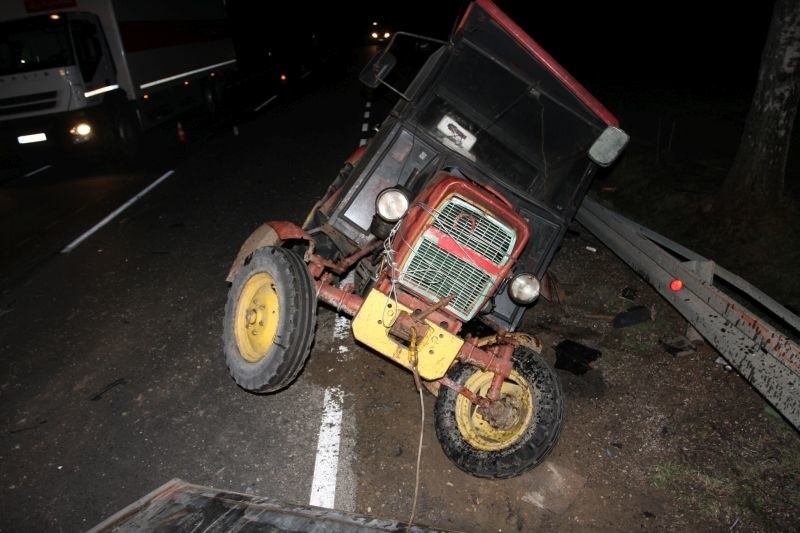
x,y
464,437
269,321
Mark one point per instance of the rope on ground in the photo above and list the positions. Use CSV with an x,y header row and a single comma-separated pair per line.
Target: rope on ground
x,y
418,384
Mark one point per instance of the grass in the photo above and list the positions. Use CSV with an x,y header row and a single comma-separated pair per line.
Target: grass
x,y
708,495
757,495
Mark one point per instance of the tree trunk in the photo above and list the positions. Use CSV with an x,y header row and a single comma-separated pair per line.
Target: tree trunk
x,y
756,178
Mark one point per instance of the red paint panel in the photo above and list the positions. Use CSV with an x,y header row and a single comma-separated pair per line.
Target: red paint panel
x,y
450,245
511,27
139,35
443,186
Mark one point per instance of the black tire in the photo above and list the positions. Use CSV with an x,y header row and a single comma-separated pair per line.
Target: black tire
x,y
127,135
272,295
212,96
529,439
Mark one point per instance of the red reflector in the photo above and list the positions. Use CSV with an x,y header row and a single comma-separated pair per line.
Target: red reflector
x,y
676,285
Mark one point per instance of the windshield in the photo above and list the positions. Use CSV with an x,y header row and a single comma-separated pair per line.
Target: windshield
x,y
499,106
34,43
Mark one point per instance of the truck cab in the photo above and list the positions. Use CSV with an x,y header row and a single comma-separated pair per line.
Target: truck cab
x,y
93,74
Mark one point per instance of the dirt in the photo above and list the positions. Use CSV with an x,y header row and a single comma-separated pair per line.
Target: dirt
x,y
676,442
668,441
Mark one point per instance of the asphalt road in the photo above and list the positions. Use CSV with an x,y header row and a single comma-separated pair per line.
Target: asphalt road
x,y
113,379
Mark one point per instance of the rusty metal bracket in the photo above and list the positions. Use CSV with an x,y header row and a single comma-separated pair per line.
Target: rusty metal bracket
x,y
465,392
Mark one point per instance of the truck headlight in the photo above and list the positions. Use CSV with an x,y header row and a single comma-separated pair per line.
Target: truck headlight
x,y
524,288
81,132
392,204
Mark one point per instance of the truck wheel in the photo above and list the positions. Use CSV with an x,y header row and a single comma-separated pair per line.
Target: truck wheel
x,y
127,135
518,439
270,317
212,95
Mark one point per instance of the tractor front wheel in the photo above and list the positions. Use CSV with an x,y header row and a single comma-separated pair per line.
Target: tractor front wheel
x,y
513,436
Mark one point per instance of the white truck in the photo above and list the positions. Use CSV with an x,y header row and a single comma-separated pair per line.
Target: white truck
x,y
94,74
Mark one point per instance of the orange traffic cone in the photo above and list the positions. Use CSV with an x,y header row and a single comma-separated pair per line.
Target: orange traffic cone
x,y
181,133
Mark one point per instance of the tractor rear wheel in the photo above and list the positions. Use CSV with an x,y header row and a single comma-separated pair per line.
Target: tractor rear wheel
x,y
270,318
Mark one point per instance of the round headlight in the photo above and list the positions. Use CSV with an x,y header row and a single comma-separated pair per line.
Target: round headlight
x,y
391,204
82,129
524,289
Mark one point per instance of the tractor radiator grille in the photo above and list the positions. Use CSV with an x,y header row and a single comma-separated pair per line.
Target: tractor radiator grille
x,y
459,254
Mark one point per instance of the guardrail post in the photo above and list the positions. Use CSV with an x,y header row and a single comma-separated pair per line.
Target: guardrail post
x,y
705,271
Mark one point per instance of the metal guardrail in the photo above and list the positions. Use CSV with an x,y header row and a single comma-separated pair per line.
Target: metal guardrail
x,y
763,355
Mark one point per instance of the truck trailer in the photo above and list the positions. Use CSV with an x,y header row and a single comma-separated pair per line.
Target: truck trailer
x,y
94,74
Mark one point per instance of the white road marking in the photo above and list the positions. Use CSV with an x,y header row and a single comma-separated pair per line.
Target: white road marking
x,y
341,331
366,114
262,104
32,172
305,75
368,105
326,465
364,127
71,246
341,327
362,142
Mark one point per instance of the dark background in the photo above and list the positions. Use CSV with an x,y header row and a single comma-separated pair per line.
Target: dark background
x,y
686,45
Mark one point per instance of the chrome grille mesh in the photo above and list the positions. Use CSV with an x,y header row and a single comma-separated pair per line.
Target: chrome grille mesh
x,y
489,238
436,273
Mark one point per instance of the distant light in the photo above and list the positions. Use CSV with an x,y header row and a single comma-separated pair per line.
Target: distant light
x,y
374,23
22,61
186,82
374,35
54,16
283,77
675,285
146,96
213,74
386,35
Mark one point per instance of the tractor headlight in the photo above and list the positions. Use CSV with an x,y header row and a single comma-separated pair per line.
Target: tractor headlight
x,y
524,288
392,204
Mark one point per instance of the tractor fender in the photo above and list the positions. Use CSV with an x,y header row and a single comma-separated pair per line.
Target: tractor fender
x,y
268,234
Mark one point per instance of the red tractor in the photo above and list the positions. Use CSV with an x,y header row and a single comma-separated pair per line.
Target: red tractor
x,y
448,220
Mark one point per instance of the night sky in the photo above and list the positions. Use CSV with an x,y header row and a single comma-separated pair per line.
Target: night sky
x,y
679,43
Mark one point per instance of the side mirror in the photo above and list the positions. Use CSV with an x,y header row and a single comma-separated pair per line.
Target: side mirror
x,y
608,146
377,69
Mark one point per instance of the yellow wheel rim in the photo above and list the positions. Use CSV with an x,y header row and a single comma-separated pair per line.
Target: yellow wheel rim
x,y
478,431
257,316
